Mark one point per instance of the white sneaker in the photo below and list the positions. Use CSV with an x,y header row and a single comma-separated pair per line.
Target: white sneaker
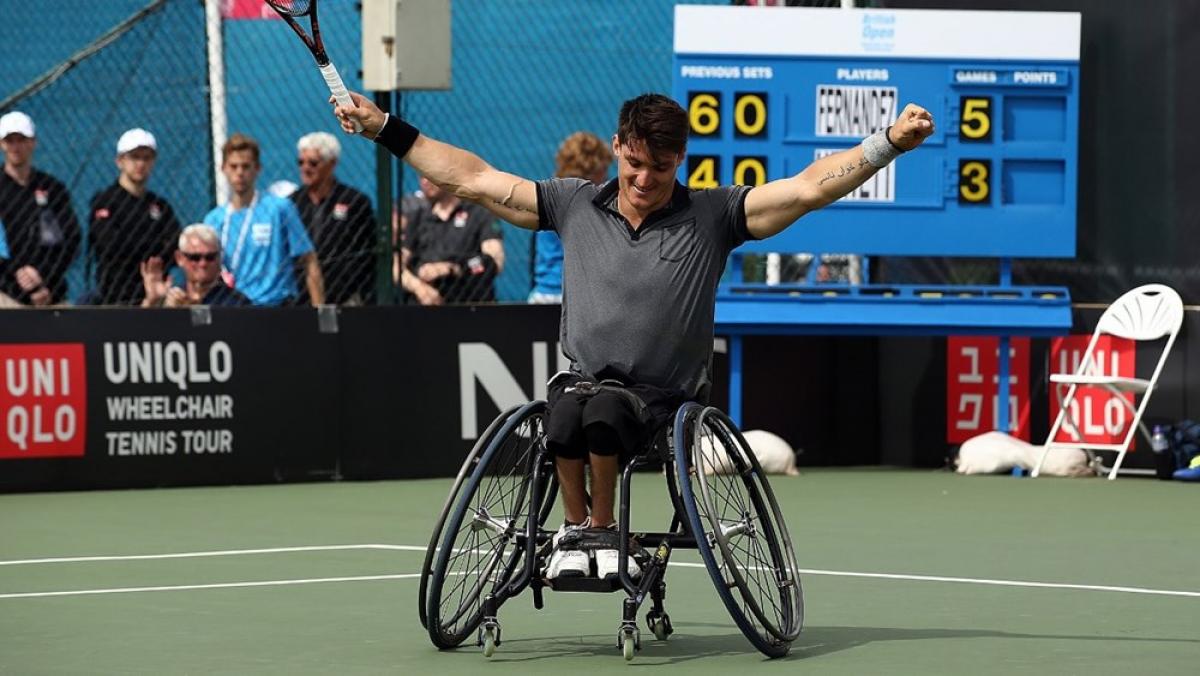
x,y
608,561
567,562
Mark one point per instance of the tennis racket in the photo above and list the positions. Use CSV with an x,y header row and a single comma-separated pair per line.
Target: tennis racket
x,y
291,10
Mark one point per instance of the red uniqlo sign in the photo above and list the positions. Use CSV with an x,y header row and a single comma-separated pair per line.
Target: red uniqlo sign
x,y
972,367
43,402
1096,416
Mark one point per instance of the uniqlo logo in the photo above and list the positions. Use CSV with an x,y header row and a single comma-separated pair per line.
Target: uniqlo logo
x,y
43,401
1096,415
972,368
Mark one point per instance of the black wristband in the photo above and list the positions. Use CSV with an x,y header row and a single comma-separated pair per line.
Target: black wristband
x,y
887,134
397,136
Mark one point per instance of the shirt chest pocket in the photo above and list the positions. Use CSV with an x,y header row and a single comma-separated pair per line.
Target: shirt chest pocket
x,y
260,234
676,242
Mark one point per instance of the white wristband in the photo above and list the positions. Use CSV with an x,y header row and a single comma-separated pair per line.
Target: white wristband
x,y
878,150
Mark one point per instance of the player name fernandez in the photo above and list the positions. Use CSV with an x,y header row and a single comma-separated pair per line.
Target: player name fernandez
x,y
855,112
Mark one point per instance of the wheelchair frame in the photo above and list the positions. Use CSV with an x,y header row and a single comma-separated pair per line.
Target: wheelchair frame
x,y
512,448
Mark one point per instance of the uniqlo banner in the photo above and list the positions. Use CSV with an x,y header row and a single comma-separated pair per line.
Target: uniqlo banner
x,y
1096,416
972,383
247,9
43,402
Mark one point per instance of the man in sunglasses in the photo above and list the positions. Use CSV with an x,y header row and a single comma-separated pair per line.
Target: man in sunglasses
x,y
199,256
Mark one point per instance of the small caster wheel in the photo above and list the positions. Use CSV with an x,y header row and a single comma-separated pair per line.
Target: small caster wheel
x,y
629,642
489,638
659,624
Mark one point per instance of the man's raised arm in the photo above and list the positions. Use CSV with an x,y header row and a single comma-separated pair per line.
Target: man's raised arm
x,y
774,206
460,171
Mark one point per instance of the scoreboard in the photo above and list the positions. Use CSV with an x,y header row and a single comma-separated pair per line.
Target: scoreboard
x,y
770,89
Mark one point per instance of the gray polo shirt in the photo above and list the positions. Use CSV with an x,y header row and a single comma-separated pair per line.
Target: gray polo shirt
x,y
638,305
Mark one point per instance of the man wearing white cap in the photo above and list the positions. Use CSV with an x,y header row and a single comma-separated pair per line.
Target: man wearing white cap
x,y
42,231
130,225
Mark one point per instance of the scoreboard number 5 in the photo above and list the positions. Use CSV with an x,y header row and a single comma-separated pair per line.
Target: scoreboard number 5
x,y
976,123
974,181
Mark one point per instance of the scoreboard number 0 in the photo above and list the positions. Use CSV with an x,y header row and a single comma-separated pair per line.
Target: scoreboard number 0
x,y
704,113
750,170
976,122
974,181
750,114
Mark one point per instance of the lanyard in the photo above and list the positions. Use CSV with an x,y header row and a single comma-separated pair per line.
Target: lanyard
x,y
237,253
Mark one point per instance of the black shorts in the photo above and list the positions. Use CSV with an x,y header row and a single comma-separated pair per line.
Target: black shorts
x,y
609,420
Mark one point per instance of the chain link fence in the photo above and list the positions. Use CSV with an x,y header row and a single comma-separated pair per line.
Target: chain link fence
x,y
526,73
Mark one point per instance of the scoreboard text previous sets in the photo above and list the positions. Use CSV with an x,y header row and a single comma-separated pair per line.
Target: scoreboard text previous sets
x,y
768,90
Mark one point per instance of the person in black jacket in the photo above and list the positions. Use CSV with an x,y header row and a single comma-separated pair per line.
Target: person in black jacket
x,y
40,225
129,224
339,219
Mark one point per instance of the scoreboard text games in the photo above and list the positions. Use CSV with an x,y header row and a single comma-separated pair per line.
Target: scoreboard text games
x,y
770,89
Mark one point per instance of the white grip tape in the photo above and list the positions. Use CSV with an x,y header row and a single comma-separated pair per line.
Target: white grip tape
x,y
338,89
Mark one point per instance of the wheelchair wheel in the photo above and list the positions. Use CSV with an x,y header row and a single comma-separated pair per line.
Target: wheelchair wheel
x,y
480,549
739,529
468,466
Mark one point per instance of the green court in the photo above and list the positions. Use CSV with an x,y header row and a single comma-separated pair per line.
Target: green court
x,y
905,572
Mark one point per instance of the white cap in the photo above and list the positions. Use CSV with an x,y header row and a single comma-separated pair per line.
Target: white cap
x,y
136,138
16,122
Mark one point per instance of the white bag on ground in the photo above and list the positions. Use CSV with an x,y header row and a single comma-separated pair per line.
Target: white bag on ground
x,y
775,455
995,452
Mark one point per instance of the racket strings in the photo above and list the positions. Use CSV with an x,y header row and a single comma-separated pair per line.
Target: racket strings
x,y
291,7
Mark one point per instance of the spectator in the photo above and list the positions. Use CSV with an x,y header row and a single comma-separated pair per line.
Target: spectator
x,y
261,234
451,251
581,155
199,256
129,224
35,208
340,220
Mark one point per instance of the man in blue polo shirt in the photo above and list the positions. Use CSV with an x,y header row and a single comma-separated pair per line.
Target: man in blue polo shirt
x,y
261,234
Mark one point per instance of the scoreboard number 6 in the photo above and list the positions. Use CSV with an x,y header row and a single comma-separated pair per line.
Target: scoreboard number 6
x,y
976,123
974,181
704,113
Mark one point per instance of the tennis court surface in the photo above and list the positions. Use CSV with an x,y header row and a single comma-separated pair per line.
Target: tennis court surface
x,y
905,572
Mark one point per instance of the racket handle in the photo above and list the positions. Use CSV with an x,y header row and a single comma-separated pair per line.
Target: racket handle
x,y
338,89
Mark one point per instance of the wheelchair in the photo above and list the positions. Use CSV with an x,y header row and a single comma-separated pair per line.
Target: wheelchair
x,y
491,542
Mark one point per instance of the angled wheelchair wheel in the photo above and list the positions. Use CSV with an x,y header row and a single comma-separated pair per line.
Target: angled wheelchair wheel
x,y
482,542
739,528
464,473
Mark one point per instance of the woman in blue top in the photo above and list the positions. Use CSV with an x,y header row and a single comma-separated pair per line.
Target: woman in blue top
x,y
581,155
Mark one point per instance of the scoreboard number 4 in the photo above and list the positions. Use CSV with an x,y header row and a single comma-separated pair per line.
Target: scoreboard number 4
x,y
703,171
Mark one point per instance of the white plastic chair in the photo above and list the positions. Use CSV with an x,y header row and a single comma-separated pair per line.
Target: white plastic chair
x,y
1147,313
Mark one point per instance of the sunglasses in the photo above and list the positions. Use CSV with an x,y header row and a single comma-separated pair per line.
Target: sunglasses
x,y
197,257
308,162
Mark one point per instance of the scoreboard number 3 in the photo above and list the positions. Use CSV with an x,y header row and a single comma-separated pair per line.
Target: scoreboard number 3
x,y
976,123
974,181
